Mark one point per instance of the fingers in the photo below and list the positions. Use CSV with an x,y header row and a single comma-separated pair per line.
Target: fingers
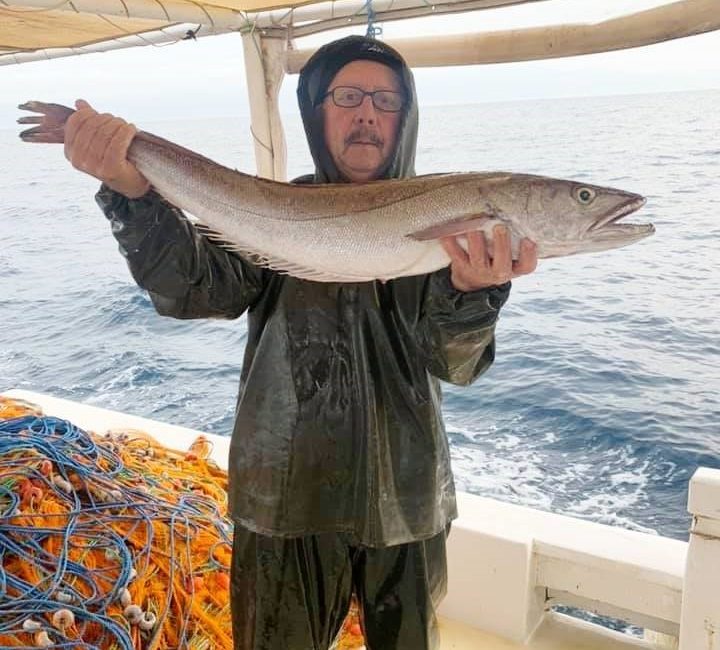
x,y
488,264
454,250
90,141
125,177
502,255
97,144
73,125
527,258
476,254
477,250
81,131
118,145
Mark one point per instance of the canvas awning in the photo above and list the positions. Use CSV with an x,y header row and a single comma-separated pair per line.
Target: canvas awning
x,y
40,29
37,29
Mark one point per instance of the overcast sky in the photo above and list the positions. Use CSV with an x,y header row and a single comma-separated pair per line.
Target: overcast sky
x,y
206,77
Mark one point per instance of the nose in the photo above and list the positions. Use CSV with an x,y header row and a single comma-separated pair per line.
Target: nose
x,y
365,113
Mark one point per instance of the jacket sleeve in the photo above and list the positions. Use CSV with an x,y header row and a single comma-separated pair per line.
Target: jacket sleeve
x,y
455,331
185,275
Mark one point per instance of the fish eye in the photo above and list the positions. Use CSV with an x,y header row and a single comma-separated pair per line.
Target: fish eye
x,y
585,195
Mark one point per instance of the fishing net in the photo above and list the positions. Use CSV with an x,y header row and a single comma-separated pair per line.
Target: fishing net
x,y
112,542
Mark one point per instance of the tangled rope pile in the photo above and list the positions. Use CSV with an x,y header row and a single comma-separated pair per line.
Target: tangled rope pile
x,y
114,543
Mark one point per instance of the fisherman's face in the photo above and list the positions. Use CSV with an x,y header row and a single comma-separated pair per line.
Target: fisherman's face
x,y
362,138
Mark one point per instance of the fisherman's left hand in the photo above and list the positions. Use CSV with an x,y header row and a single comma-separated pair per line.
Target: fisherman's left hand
x,y
475,269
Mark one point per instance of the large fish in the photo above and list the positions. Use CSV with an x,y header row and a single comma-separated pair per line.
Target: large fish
x,y
365,231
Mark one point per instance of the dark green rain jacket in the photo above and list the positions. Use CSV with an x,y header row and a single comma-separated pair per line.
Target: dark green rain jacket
x,y
338,425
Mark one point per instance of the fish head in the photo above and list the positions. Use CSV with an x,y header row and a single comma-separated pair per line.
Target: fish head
x,y
567,217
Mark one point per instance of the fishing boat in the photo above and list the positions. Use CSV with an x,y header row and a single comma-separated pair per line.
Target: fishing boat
x,y
509,566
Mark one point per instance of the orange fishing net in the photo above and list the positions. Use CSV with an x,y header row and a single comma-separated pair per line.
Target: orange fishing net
x,y
113,542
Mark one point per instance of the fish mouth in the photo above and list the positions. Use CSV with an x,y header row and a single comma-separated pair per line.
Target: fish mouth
x,y
608,222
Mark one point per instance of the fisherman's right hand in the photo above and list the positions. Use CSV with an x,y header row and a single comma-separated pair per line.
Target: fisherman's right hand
x,y
97,144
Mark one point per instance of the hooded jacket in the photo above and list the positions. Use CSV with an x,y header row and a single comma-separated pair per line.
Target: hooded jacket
x,y
338,425
314,82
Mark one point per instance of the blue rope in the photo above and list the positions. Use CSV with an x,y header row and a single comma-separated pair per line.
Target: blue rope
x,y
86,524
373,30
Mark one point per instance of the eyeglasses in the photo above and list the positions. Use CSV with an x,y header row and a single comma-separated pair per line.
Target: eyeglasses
x,y
350,97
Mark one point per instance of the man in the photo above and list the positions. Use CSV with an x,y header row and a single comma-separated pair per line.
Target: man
x,y
340,476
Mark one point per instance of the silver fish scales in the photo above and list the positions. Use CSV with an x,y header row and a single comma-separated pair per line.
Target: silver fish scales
x,y
355,232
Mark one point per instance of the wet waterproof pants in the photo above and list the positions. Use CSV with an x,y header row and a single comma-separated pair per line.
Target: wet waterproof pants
x,y
292,593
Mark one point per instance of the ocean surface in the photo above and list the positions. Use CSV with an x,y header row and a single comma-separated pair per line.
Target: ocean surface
x,y
603,399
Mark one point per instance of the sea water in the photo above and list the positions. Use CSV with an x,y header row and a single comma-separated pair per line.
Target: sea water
x,y
603,399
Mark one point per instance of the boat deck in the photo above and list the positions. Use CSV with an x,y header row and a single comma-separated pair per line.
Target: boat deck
x,y
557,632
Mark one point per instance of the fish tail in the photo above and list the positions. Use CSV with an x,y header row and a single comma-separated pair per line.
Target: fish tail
x,y
52,120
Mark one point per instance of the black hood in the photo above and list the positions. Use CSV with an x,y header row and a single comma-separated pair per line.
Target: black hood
x,y
315,78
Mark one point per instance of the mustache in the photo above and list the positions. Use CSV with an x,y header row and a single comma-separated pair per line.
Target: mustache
x,y
364,135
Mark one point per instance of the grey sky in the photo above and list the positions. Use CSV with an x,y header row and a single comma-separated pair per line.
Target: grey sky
x,y
206,78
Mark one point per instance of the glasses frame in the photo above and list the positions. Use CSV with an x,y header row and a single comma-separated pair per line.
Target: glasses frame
x,y
372,93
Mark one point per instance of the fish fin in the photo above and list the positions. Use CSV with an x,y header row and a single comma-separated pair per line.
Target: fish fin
x,y
275,263
452,228
206,231
52,122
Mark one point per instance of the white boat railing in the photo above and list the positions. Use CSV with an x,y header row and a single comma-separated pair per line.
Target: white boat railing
x,y
525,561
